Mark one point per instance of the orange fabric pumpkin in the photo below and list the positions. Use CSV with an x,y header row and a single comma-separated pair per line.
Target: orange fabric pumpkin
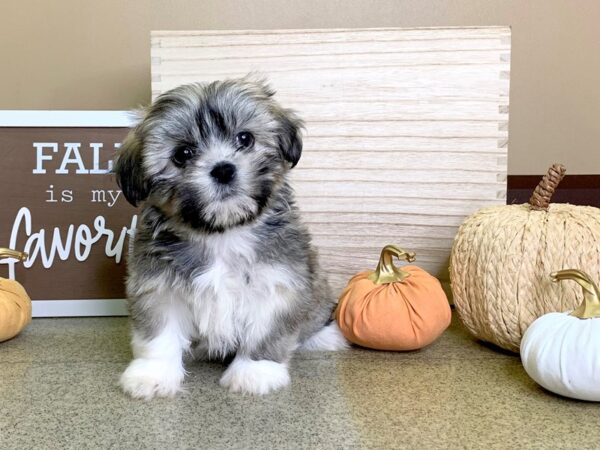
x,y
15,304
392,308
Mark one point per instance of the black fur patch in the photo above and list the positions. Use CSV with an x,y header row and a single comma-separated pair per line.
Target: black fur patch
x,y
218,121
191,212
264,192
201,122
211,121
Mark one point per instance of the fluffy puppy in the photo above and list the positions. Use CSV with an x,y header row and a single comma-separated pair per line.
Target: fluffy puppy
x,y
220,262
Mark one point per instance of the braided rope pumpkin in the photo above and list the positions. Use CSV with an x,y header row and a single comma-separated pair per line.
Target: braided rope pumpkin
x,y
502,256
15,304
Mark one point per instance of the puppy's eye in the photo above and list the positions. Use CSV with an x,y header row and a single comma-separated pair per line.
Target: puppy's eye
x,y
244,139
182,154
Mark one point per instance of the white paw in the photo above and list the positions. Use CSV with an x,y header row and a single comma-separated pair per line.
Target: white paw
x,y
255,377
329,338
148,378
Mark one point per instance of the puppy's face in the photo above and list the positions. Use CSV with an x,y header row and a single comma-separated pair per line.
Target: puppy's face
x,y
210,155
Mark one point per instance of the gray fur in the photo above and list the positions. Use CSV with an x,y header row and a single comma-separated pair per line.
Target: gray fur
x,y
183,210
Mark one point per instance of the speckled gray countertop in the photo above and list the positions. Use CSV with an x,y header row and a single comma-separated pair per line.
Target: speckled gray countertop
x,y
58,389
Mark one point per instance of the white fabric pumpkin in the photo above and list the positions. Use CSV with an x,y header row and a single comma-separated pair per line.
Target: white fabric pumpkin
x,y
561,351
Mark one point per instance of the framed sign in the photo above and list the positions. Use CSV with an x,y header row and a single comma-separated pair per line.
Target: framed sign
x,y
62,205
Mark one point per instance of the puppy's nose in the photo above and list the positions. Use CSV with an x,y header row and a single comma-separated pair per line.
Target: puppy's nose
x,y
223,172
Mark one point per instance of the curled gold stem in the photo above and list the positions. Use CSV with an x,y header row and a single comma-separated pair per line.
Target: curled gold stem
x,y
590,306
8,253
386,271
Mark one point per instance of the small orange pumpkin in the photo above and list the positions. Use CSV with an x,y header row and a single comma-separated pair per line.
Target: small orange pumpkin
x,y
15,304
392,308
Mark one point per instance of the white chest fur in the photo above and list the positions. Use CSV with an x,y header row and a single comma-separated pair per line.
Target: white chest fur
x,y
237,299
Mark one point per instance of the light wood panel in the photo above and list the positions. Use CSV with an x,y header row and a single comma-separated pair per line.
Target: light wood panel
x,y
407,129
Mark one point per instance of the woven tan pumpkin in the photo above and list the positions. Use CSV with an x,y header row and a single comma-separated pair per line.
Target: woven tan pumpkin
x,y
15,304
502,257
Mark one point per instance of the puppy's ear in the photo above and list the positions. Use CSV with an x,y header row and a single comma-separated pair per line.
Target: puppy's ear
x,y
290,136
128,168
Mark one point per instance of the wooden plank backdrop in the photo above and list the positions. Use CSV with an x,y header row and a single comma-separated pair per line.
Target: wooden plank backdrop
x,y
407,129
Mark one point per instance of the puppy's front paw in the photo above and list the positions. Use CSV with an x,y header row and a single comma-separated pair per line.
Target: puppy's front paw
x,y
255,377
148,378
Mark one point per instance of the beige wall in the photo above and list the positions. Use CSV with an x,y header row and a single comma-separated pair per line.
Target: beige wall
x,y
95,54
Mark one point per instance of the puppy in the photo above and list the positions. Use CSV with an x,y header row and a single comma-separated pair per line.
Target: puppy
x,y
220,263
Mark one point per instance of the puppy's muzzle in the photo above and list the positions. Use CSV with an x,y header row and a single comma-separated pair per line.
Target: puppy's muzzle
x,y
223,172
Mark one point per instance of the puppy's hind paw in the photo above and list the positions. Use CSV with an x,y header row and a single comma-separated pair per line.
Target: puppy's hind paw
x,y
255,377
329,338
149,378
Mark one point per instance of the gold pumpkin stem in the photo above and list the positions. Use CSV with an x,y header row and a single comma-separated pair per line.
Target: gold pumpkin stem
x,y
386,272
540,199
8,253
590,307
